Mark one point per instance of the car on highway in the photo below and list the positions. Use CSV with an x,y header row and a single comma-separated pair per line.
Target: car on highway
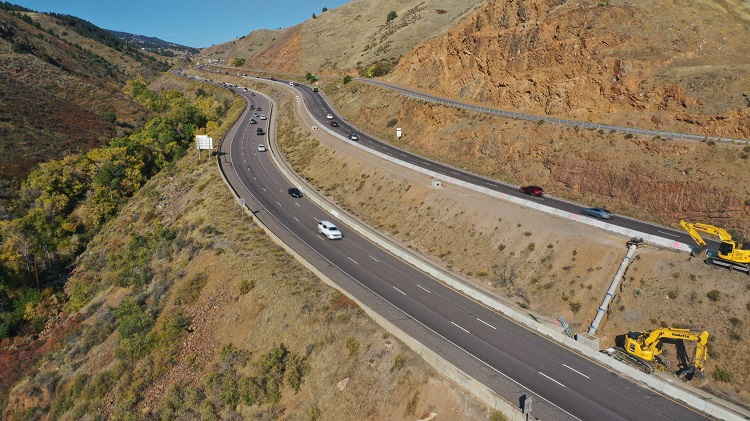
x,y
353,136
252,93
329,230
263,117
252,121
260,131
256,115
329,116
334,123
261,147
294,192
598,213
259,109
533,190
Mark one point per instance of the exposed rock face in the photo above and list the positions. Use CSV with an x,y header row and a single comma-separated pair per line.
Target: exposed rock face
x,y
660,67
282,55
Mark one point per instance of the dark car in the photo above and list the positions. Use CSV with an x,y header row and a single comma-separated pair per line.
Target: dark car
x,y
259,109
294,192
334,124
353,136
252,121
252,93
533,190
260,131
598,213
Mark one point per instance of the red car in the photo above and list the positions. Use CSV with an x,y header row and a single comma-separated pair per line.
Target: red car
x,y
533,190
334,124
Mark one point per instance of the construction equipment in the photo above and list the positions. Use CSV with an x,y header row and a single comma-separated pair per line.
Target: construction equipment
x,y
643,349
732,255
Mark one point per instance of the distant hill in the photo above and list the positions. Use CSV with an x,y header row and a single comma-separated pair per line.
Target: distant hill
x,y
155,45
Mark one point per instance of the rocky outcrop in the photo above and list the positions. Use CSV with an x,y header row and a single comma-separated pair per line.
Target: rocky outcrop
x,y
605,61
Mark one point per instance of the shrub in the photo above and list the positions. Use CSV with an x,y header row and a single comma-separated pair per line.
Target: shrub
x,y
110,117
347,79
498,416
722,374
352,345
714,295
246,286
399,360
314,413
392,122
575,306
391,15
190,290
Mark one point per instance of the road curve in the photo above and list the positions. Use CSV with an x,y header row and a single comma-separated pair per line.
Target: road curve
x,y
506,357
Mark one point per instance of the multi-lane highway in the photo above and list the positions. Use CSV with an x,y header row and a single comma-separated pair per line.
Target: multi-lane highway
x,y
320,109
508,358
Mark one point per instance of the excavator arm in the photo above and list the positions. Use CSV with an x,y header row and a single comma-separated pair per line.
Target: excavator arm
x,y
690,228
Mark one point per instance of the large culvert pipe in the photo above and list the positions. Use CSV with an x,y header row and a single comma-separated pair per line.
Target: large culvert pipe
x,y
632,245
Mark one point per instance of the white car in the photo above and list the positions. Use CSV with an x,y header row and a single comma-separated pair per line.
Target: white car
x,y
329,116
263,117
329,230
261,148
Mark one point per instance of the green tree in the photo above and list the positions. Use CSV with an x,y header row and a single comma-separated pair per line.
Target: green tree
x,y
391,15
325,9
347,79
314,16
308,76
110,117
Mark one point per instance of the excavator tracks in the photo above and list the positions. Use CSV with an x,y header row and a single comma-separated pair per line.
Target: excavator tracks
x,y
621,355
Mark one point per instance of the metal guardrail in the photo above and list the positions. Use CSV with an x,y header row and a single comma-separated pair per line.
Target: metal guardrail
x,y
582,124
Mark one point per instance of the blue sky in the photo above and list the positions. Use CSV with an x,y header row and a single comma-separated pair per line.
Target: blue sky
x,y
195,23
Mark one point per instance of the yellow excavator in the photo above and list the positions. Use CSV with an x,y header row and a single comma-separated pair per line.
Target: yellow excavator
x,y
643,349
732,255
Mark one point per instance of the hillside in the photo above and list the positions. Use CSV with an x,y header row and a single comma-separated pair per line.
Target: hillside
x,y
348,38
670,67
188,310
60,92
155,45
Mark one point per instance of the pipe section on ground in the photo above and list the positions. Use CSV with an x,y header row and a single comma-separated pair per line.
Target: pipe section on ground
x,y
632,245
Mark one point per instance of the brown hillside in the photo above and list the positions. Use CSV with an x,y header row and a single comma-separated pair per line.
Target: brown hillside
x,y
672,66
350,37
56,87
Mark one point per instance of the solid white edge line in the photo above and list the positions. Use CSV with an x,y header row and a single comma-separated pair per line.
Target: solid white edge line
x,y
571,368
486,323
552,379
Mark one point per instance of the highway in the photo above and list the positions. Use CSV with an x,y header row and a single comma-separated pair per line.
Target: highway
x,y
496,351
